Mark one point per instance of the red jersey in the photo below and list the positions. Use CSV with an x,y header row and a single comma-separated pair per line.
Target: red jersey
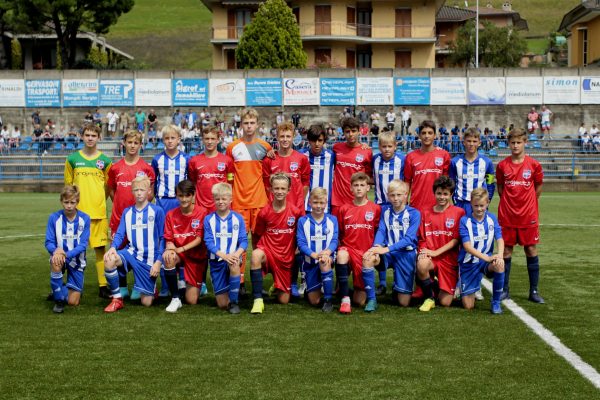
x,y
277,230
420,171
183,229
358,225
518,206
437,229
348,161
120,176
207,171
296,166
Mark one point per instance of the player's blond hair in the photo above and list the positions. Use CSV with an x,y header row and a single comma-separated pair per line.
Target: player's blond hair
x,y
280,176
397,184
472,132
249,113
387,137
359,176
141,180
517,133
171,129
132,134
285,127
69,192
222,189
318,193
479,193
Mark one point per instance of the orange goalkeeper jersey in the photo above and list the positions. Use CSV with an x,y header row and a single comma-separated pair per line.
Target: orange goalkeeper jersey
x,y
248,187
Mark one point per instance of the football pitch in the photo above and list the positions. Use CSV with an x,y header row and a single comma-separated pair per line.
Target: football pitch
x,y
296,351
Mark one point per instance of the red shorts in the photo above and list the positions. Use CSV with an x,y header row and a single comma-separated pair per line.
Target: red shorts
x,y
522,236
447,275
193,269
280,269
356,264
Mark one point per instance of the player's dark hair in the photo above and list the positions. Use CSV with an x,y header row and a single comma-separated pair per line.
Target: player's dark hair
x,y
350,122
427,124
315,132
186,188
443,182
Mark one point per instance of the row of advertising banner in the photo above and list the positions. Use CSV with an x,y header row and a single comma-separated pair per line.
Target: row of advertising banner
x,y
269,92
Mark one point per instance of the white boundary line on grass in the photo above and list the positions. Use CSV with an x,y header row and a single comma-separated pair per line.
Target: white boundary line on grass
x,y
21,236
585,369
574,225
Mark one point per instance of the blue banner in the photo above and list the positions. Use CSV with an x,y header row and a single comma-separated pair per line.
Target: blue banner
x,y
412,91
263,92
80,92
117,93
190,92
338,91
42,93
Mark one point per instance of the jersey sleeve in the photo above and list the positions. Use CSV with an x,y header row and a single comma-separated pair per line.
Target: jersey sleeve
x,y
160,225
243,235
191,170
340,216
50,242
538,174
497,228
369,164
410,236
464,232
68,173
305,171
230,170
334,240
301,239
266,168
209,238
408,169
422,244
154,166
168,231
381,234
490,179
499,175
446,165
83,239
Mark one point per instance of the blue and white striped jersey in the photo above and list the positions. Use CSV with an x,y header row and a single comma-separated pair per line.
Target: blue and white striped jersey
x,y
224,234
471,175
144,230
398,231
384,172
169,172
321,173
481,234
314,237
71,236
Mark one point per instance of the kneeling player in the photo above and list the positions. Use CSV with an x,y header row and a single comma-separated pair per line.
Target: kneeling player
x,y
396,239
226,240
477,232
184,247
317,240
142,225
67,237
438,245
274,253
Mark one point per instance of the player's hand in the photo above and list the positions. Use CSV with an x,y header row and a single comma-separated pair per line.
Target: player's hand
x,y
315,256
271,154
110,255
155,270
58,260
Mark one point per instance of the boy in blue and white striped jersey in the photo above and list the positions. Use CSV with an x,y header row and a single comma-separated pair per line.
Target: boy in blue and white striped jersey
x,y
322,162
67,236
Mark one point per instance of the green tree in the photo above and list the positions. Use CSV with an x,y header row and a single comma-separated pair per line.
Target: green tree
x,y
16,55
68,17
271,40
499,47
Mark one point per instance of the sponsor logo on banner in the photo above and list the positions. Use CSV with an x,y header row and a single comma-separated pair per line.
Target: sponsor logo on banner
x,y
449,91
338,91
80,92
227,92
487,90
42,93
262,92
301,91
524,90
561,90
116,92
12,93
412,91
590,90
153,92
374,91
190,92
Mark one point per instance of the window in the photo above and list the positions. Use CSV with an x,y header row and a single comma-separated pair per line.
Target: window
x,y
322,56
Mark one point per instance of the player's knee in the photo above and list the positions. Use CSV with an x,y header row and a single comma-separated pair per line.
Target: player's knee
x,y
191,296
531,251
343,257
314,298
56,268
445,301
146,300
468,302
283,298
257,258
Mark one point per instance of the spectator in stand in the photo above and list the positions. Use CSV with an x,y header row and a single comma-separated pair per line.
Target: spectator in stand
x,y
464,129
72,134
443,134
1,123
88,119
46,141
124,122
344,114
296,118
237,119
406,118
3,147
595,138
374,133
5,134
582,130
50,125
363,116
280,119
263,132
273,132
59,136
177,118
97,118
37,133
375,118
220,119
364,132
112,118
502,133
140,120
15,138
594,131
390,119
35,118
152,120
532,120
191,118
331,133
586,142
206,120
546,122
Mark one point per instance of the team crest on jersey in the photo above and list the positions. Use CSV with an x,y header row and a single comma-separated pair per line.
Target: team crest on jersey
x,y
526,173
359,158
291,221
195,223
405,220
369,216
80,229
236,227
99,164
221,166
449,223
151,219
439,161
294,166
140,173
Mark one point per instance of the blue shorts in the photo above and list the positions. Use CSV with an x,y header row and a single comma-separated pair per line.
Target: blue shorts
x,y
144,283
312,276
404,264
74,275
465,205
167,203
140,126
219,275
471,275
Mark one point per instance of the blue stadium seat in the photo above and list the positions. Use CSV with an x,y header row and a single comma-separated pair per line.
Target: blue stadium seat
x,y
70,146
57,146
192,153
502,144
160,146
537,145
35,146
493,153
80,146
149,146
28,139
24,147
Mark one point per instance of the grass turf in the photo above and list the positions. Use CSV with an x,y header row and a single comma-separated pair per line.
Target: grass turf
x,y
295,351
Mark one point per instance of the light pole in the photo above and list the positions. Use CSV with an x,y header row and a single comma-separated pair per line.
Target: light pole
x,y
477,34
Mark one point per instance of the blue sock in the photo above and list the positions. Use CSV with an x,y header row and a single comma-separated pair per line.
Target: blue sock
x,y
65,292
164,286
182,274
382,277
296,268
368,275
507,265
112,278
327,284
171,280
234,288
122,276
256,278
342,278
56,282
533,269
498,285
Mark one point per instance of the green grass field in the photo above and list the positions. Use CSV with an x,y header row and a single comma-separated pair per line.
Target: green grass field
x,y
295,351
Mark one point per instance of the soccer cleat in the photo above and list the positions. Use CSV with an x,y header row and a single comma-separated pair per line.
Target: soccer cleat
x,y
104,292
535,297
427,305
203,290
457,294
135,294
505,295
115,305
174,305
371,305
50,297
294,290
258,307
479,295
345,307
302,288
381,290
233,308
496,308
59,307
327,306
124,292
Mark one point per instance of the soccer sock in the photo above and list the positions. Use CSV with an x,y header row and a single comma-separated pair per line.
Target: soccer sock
x,y
533,269
256,278
382,277
426,286
163,281
498,285
341,271
112,279
296,268
122,276
507,265
171,281
368,275
327,284
100,265
65,292
243,268
234,288
56,281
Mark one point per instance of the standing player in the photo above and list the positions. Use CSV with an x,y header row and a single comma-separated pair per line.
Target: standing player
x,y
396,239
226,241
423,166
519,178
317,240
208,169
321,161
88,170
478,232
184,248
358,224
142,225
67,236
438,245
276,235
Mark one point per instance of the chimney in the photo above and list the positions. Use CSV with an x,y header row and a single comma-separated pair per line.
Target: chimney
x,y
506,6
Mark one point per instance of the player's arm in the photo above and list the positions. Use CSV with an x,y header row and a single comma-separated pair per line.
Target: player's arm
x,y
121,234
302,241
410,236
230,170
334,239
84,239
490,178
446,165
152,177
50,242
68,173
194,243
154,166
441,250
158,253
538,180
242,239
499,180
305,176
266,171
106,188
261,226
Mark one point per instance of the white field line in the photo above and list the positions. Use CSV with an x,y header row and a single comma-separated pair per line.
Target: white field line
x,y
585,369
574,225
21,236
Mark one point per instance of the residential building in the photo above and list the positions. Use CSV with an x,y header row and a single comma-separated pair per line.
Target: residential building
x,y
582,28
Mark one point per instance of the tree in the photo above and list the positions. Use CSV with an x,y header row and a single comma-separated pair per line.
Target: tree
x,y
499,47
67,17
271,40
